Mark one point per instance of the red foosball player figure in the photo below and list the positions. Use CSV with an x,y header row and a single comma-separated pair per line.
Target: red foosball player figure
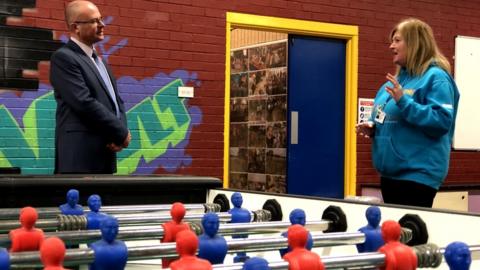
x,y
171,228
397,255
27,237
187,245
301,258
52,253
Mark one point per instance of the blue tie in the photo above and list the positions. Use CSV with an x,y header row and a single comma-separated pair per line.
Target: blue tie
x,y
106,79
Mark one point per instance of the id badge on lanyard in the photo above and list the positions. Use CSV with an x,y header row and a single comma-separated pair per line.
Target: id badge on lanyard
x,y
380,115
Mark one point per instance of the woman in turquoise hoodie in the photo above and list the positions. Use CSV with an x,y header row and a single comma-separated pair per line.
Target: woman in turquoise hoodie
x,y
413,118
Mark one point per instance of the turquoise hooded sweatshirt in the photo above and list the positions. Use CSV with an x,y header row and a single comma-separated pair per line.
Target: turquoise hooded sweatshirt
x,y
414,139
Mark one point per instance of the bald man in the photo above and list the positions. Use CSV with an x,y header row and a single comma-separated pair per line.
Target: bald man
x,y
91,124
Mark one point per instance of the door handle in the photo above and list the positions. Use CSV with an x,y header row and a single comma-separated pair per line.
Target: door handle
x,y
294,127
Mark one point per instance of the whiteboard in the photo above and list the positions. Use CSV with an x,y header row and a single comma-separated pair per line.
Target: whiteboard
x,y
467,76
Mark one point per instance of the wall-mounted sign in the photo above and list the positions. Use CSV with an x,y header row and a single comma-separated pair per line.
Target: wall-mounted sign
x,y
365,106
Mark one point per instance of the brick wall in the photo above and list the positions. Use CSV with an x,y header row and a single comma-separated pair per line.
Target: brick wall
x,y
156,42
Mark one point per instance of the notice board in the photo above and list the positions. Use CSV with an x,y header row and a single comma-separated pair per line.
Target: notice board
x,y
467,76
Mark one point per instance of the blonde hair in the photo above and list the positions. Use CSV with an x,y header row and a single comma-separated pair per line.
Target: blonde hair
x,y
422,49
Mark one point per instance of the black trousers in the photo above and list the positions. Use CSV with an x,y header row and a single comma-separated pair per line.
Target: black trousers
x,y
406,192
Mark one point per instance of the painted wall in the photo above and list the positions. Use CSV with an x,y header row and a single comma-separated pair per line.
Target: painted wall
x,y
155,45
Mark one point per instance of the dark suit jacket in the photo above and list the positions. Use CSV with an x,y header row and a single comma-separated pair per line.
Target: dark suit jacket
x,y
85,117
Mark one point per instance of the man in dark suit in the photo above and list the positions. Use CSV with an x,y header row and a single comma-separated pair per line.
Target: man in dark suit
x,y
91,123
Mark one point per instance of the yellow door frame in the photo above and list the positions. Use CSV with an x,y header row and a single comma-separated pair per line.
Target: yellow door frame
x,y
292,26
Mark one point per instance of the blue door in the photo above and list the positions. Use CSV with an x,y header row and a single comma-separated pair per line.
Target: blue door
x,y
316,116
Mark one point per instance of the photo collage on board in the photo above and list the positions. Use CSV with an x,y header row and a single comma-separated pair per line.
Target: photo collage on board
x,y
258,117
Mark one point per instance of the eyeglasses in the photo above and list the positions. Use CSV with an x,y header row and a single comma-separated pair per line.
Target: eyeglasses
x,y
92,21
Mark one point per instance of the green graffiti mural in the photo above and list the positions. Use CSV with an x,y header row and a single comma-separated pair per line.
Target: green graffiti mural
x,y
158,123
30,148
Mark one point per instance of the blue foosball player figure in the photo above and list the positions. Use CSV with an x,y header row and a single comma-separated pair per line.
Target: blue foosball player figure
x,y
110,254
372,231
212,247
72,207
94,217
239,215
457,255
256,263
297,216
4,259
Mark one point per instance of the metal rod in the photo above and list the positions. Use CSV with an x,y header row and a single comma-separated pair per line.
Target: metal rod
x,y
142,219
72,222
49,212
167,250
46,225
268,227
358,261
58,223
156,232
